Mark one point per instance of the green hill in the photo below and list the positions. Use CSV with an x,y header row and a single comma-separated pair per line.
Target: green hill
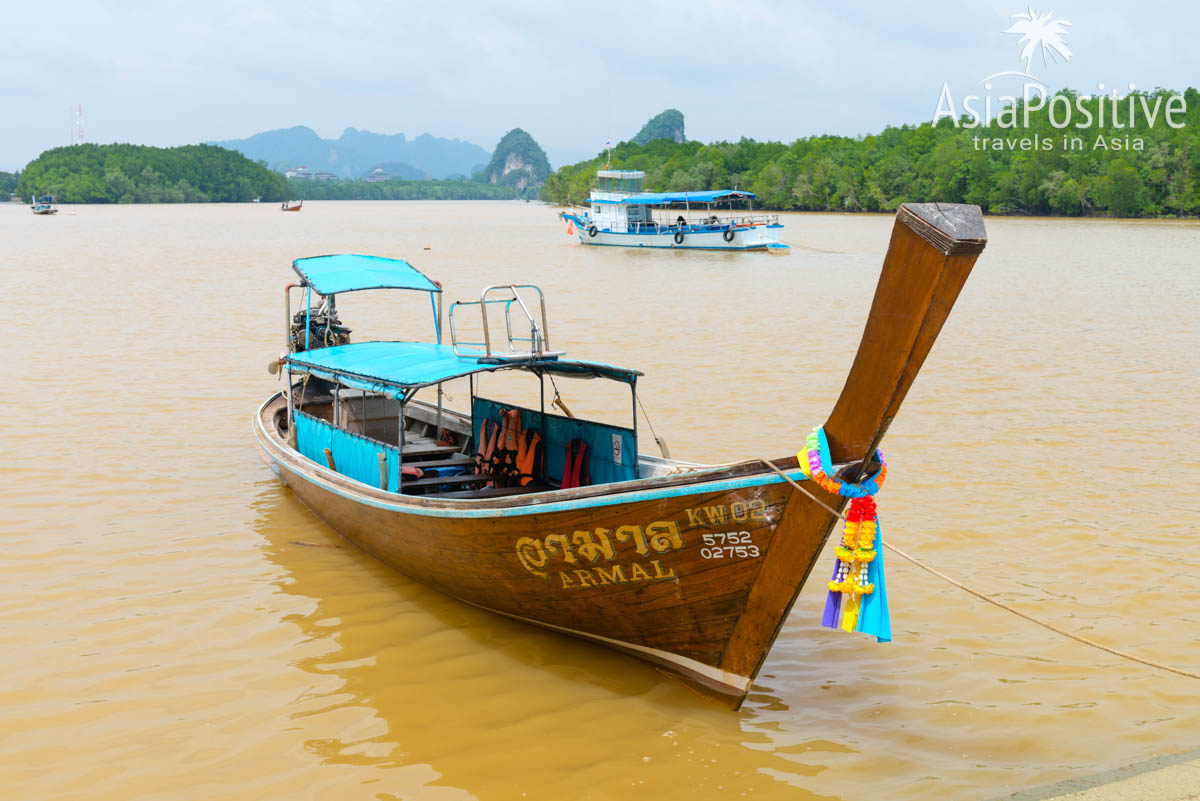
x,y
518,161
667,125
142,174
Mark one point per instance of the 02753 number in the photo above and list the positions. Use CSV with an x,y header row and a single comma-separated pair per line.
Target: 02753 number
x,y
728,545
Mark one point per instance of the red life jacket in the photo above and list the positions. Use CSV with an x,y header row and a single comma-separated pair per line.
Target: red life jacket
x,y
575,468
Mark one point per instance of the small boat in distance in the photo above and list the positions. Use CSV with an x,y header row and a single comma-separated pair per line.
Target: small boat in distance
x,y
567,523
291,205
621,213
43,205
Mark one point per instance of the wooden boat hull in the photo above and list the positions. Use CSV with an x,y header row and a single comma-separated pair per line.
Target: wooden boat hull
x,y
694,573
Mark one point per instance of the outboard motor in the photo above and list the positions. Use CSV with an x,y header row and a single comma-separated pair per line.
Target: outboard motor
x,y
324,329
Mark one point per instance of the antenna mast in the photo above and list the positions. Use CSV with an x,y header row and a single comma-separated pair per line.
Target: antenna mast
x,y
77,136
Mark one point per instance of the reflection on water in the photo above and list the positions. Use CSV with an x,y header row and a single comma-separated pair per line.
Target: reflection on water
x,y
449,693
176,625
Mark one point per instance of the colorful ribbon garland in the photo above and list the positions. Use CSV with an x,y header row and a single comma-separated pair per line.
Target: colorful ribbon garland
x,y
857,599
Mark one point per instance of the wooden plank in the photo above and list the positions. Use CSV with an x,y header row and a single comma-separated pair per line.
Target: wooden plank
x,y
455,461
433,481
428,450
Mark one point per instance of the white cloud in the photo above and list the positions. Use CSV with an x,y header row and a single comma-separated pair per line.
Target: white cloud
x,y
570,74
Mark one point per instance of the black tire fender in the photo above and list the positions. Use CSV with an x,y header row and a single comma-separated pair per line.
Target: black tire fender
x,y
592,230
728,235
679,237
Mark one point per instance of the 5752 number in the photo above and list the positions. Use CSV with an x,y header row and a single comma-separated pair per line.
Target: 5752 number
x,y
728,545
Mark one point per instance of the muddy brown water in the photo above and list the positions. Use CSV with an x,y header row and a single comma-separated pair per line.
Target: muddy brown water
x,y
175,625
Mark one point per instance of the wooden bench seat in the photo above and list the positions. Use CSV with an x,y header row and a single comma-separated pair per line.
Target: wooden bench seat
x,y
434,481
411,453
453,461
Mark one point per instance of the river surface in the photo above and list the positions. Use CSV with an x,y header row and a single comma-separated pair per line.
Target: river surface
x,y
175,625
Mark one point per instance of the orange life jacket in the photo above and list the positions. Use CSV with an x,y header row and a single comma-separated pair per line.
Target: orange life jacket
x,y
485,451
529,453
504,458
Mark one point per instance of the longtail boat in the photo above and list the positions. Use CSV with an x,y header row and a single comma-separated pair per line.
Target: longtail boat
x,y
43,205
563,522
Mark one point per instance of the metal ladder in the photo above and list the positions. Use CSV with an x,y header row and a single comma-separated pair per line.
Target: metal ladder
x,y
535,346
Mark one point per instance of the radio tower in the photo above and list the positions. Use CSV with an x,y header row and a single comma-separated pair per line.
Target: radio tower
x,y
77,137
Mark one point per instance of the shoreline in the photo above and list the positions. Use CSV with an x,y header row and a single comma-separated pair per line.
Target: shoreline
x,y
1166,778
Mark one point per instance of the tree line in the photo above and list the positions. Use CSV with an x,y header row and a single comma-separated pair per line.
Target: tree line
x,y
1127,167
91,173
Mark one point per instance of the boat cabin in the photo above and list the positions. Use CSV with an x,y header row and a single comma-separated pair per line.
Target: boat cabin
x,y
375,413
618,205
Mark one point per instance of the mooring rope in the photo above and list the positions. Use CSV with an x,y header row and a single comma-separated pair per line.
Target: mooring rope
x,y
981,596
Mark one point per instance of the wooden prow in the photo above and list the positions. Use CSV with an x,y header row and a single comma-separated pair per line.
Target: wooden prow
x,y
932,251
933,248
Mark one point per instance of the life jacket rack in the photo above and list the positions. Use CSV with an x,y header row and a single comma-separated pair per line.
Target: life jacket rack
x,y
509,454
519,348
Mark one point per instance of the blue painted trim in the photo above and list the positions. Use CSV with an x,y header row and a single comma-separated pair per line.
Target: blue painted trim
x,y
561,506
538,508
669,247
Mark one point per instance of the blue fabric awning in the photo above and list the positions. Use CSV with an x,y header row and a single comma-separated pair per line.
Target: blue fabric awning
x,y
396,368
331,275
663,198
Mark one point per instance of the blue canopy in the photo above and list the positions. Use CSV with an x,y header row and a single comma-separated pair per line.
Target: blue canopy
x,y
397,368
331,275
663,198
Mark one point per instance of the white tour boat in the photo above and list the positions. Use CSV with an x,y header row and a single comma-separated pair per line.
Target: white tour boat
x,y
620,213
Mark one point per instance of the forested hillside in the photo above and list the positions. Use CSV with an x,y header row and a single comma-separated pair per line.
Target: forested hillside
x,y
1014,170
667,125
141,174
518,161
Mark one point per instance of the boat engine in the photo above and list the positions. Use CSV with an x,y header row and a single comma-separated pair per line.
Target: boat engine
x,y
324,329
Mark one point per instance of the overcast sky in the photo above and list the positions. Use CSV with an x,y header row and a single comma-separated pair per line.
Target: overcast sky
x,y
571,75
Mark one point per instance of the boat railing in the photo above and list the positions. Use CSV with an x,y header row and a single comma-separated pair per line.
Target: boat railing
x,y
534,346
691,221
709,222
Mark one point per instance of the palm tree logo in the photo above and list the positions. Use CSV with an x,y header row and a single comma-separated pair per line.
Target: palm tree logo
x,y
1040,31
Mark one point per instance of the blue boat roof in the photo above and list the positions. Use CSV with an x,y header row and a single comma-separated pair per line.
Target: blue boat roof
x,y
663,198
399,368
347,272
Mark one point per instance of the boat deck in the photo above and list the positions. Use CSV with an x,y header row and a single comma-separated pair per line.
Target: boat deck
x,y
421,447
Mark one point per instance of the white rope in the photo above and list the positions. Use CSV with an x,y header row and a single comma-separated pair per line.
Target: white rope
x,y
981,596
